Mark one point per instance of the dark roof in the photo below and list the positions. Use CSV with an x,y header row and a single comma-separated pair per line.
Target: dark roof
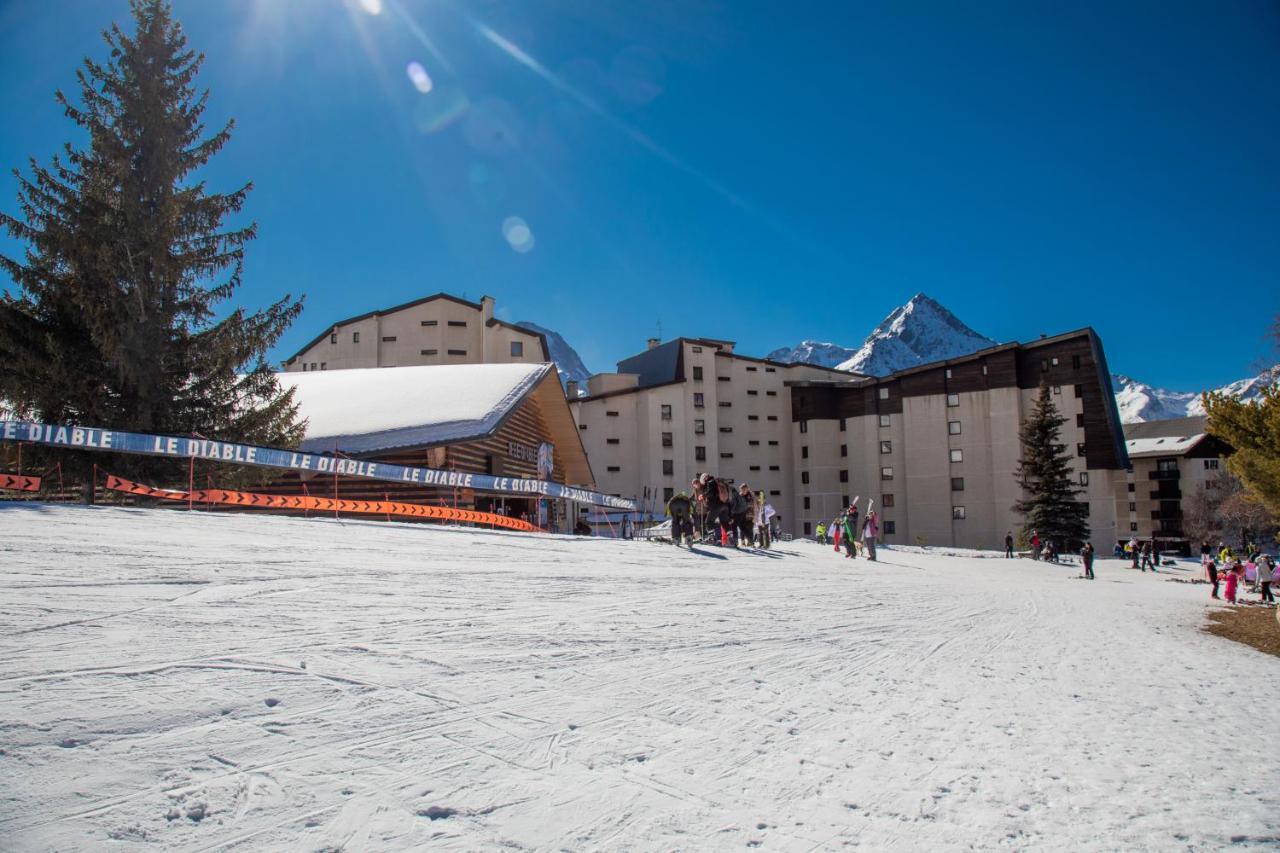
x,y
546,350
1167,428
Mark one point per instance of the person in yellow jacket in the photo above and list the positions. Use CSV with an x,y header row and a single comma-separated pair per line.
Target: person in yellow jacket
x,y
822,533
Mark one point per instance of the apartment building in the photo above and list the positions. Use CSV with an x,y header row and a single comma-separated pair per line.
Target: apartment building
x,y
1170,461
437,329
687,406
937,446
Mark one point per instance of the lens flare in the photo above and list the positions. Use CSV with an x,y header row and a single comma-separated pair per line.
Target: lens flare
x,y
518,233
373,7
419,77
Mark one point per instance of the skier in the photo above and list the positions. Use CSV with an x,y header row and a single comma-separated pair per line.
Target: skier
x,y
1234,573
1146,556
870,530
1008,545
822,533
744,508
1086,554
851,522
835,529
716,497
1035,545
680,508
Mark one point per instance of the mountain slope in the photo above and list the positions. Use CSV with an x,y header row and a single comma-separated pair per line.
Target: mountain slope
x,y
812,352
1140,402
916,333
566,358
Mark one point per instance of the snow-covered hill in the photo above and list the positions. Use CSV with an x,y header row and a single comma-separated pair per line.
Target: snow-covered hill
x,y
567,360
1140,402
191,681
812,352
916,333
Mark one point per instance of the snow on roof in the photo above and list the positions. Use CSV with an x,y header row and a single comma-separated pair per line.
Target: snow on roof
x,y
367,409
1168,445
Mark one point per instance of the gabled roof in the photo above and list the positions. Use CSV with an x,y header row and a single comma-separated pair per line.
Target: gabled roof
x,y
371,409
1169,437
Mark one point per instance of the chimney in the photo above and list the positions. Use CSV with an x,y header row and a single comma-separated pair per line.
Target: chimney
x,y
571,389
653,343
486,308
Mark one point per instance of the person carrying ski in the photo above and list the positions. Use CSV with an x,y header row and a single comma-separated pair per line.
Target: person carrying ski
x,y
850,533
870,530
680,508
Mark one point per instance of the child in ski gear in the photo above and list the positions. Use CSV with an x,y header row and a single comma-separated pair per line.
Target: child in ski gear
x,y
836,529
1234,575
870,530
822,533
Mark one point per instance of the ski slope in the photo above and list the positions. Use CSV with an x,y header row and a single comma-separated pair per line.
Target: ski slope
x,y
197,682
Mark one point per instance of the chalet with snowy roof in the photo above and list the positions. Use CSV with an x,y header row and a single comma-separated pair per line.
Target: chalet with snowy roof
x,y
506,420
1171,460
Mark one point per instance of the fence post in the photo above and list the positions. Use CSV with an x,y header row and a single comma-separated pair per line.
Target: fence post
x,y
191,485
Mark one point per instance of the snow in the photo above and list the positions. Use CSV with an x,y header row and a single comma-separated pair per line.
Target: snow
x,y
568,363
821,353
920,332
1139,402
1162,446
368,409
186,681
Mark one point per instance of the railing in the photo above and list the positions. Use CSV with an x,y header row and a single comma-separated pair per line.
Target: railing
x,y
1165,475
1167,494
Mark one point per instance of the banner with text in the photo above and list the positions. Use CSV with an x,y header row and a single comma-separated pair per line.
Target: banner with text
x,y
118,441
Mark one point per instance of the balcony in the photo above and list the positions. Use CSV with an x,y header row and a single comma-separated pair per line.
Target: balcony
x,y
1167,494
1166,515
1165,475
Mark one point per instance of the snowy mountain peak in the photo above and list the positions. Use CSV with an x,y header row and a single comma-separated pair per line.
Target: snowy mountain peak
x,y
1139,402
812,352
566,358
916,333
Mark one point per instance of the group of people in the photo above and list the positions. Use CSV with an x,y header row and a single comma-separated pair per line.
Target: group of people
x,y
1227,568
731,516
845,528
1143,554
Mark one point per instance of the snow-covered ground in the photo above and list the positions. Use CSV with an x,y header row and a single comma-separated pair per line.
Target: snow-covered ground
x,y
201,682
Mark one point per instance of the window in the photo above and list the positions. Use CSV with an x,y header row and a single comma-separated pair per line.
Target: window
x,y
953,400
355,337
775,468
428,352
726,455
1079,391
775,492
667,440
751,393
668,467
517,349
1054,361
389,339
770,417
697,400
770,370
582,426
697,349
886,473
948,372
613,469
773,442
430,322
890,528
1057,389
886,447
1211,464
304,367
1080,449
1080,420
957,484
724,404
457,352
806,502
324,365
1133,507
844,450
843,424
697,374
844,475
755,442
807,529
313,365
804,477
755,467
699,427
886,500
613,441
1164,465
752,369
722,378
1075,362
804,452
700,453
1133,525
884,420
804,426
726,429
667,494
609,414
666,411
957,512
844,501
953,427
957,455
1044,365
333,338
1131,487
753,417
884,393
1084,478
771,393
458,323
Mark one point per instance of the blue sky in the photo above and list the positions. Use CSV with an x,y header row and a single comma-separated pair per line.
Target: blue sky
x,y
759,171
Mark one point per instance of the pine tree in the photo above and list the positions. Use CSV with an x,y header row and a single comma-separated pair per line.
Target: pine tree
x,y
129,260
1049,504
